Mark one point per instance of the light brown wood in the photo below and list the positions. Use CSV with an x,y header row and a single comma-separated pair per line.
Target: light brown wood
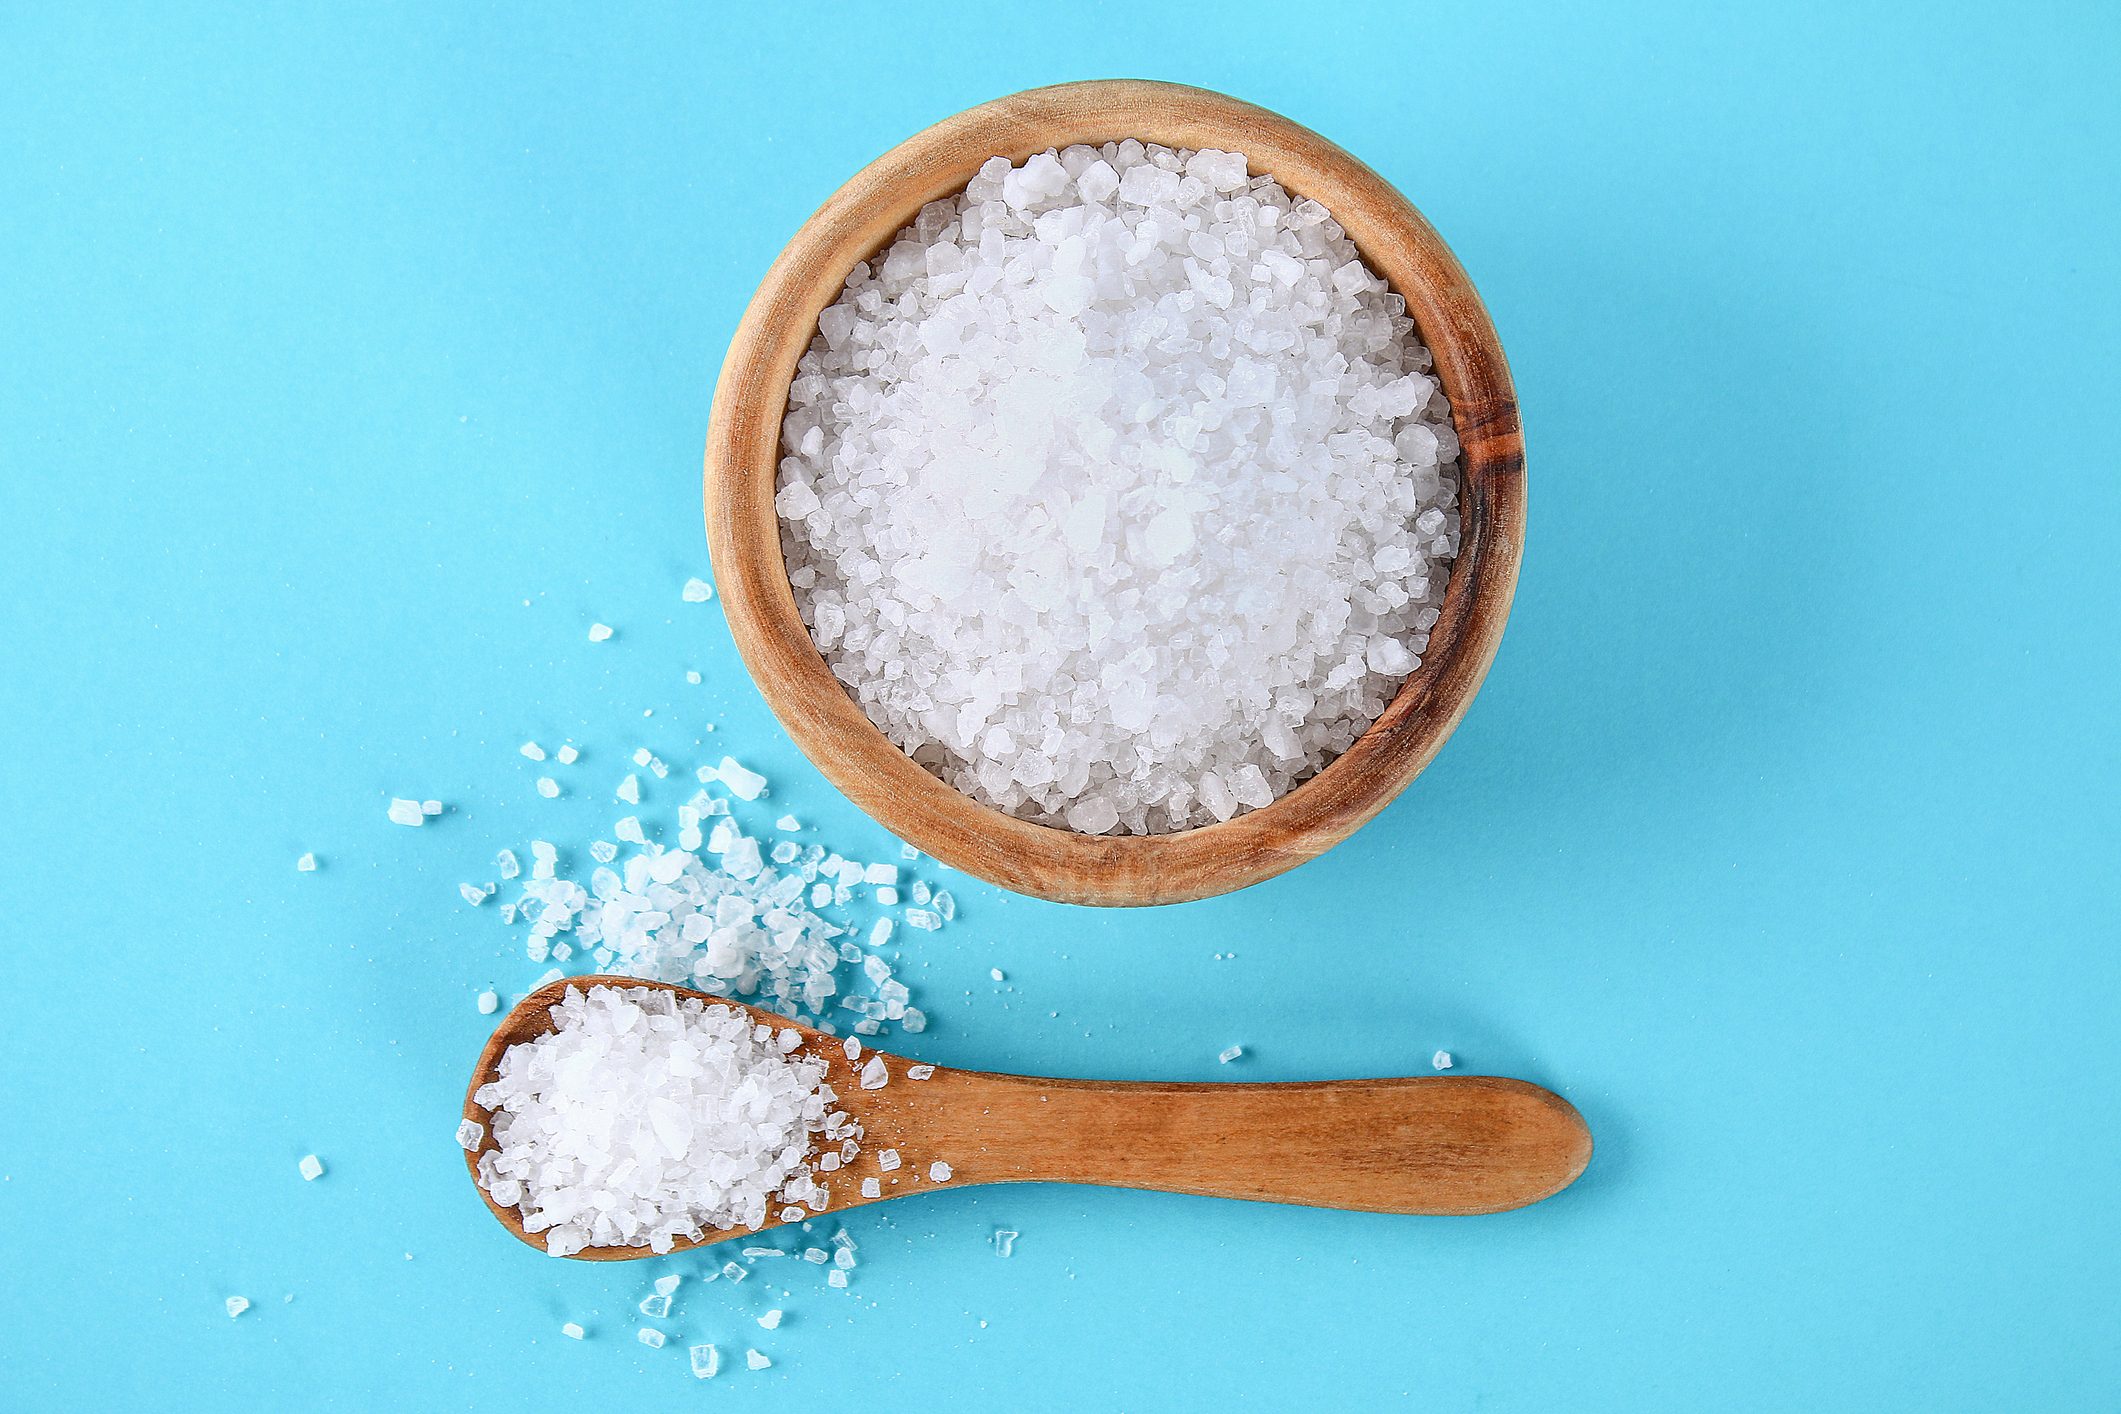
x,y
743,534
1437,1144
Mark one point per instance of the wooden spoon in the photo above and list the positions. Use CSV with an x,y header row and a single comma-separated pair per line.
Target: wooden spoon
x,y
1441,1144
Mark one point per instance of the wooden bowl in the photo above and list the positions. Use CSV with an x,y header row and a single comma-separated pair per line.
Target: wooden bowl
x,y
743,533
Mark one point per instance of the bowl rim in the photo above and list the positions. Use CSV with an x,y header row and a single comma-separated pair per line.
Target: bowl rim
x,y
743,530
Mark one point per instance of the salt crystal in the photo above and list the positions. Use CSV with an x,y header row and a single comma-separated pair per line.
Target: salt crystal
x,y
630,790
706,1361
788,822
1441,1060
667,1285
508,864
567,755
887,1159
770,1321
599,632
532,750
886,895
470,1135
312,1167
572,1331
488,1003
1004,1241
734,1271
836,1278
430,807
236,1306
697,591
744,783
939,1171
548,787
407,812
650,1337
1231,1054
875,1075
307,864
472,894
923,919
995,973
872,1188
755,1360
919,1072
655,1307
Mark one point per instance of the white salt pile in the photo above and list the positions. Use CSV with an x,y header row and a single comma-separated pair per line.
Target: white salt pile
x,y
643,1117
716,914
1118,492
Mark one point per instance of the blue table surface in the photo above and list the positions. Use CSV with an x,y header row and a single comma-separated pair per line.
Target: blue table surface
x,y
357,359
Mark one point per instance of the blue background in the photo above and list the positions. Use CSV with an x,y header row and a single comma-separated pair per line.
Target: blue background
x,y
1783,838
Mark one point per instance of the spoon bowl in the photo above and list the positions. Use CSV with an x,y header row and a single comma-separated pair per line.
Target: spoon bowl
x,y
1435,1144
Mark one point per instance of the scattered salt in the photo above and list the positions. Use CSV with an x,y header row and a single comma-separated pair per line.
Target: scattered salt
x,y
1004,1241
307,864
567,756
656,1307
706,1361
407,812
1231,1054
312,1167
919,1072
532,750
236,1306
650,1337
572,1331
755,1360
939,1171
488,1003
472,894
599,632
548,787
697,591
770,1321
1441,1060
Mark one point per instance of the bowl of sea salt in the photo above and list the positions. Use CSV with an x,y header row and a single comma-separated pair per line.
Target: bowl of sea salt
x,y
1117,490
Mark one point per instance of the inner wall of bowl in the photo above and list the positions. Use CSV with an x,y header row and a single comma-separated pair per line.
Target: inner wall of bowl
x,y
1444,638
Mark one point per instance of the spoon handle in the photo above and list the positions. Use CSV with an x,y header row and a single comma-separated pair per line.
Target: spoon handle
x,y
1428,1144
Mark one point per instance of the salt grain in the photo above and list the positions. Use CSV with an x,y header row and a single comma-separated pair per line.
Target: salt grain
x,y
532,750
770,1321
488,1003
697,591
599,632
548,787
1231,1054
706,1361
650,1337
407,812
572,1331
755,1360
567,756
470,1135
312,1168
236,1306
307,864
1441,1060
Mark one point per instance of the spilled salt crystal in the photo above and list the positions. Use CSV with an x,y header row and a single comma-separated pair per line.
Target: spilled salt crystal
x,y
312,1168
697,591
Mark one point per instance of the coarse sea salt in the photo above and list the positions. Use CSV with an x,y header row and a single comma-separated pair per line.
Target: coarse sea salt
x,y
311,1167
1119,491
236,1306
697,591
406,812
307,864
643,1117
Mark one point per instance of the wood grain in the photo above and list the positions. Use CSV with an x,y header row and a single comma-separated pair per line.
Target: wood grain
x,y
743,534
1450,1145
